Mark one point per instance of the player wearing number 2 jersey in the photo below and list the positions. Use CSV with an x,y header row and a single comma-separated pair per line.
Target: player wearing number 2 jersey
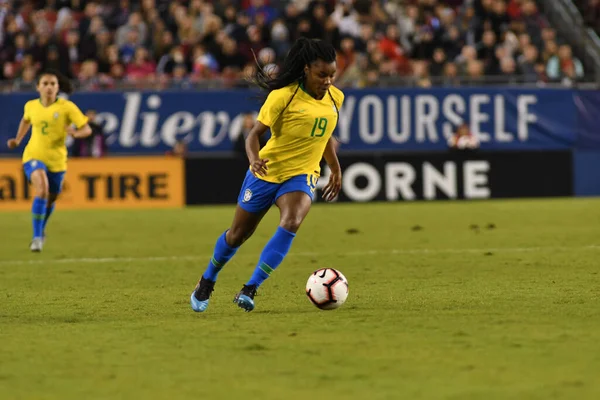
x,y
45,156
302,111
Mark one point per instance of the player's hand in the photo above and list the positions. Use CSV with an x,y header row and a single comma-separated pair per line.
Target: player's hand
x,y
259,167
71,130
334,186
12,144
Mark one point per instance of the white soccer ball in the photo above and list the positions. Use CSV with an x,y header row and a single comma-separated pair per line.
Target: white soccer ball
x,y
327,288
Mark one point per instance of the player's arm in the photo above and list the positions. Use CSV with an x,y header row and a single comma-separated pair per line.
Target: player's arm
x,y
79,133
334,185
258,166
81,122
24,126
268,114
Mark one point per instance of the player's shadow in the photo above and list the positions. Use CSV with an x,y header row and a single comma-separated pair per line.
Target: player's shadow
x,y
284,311
48,319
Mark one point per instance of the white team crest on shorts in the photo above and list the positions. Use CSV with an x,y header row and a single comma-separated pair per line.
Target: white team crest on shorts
x,y
247,195
55,115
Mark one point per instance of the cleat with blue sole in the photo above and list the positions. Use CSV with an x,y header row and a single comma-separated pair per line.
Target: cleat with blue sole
x,y
201,295
245,298
245,302
198,305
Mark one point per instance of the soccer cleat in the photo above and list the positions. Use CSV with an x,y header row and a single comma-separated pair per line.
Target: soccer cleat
x,y
245,298
201,295
36,245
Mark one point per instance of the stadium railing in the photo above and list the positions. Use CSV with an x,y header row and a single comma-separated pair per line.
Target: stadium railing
x,y
589,82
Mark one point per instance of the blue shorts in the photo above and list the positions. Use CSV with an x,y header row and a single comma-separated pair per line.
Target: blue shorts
x,y
55,179
258,195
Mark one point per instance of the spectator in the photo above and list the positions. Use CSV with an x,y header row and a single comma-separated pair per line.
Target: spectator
x,y
439,61
421,74
135,24
392,49
450,75
280,38
563,66
423,43
88,76
527,64
94,40
230,57
475,72
130,44
93,145
508,68
27,81
178,150
486,52
346,18
452,42
258,7
180,80
533,21
73,46
346,55
142,68
463,139
467,55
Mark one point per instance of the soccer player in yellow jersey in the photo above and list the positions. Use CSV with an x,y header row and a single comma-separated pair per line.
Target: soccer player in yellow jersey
x,y
301,110
45,156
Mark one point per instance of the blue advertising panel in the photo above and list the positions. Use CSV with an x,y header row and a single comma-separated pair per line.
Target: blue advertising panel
x,y
370,120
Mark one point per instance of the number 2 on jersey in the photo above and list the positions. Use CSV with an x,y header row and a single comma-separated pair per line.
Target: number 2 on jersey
x,y
319,127
44,127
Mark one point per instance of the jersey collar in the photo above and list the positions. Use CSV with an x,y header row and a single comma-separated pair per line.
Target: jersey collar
x,y
306,91
49,105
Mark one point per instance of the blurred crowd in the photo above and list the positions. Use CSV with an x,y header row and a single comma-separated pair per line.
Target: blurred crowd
x,y
180,44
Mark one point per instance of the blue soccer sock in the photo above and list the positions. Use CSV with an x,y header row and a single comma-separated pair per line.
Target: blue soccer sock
x,y
38,211
49,210
272,255
222,253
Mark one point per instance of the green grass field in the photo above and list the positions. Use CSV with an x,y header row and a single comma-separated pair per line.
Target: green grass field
x,y
448,311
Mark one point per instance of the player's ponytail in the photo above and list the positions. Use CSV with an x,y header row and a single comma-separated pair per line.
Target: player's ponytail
x,y
64,84
303,52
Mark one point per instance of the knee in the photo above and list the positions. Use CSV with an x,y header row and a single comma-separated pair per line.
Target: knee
x,y
291,223
41,191
237,236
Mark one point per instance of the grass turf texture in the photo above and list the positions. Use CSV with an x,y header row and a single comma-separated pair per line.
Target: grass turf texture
x,y
442,305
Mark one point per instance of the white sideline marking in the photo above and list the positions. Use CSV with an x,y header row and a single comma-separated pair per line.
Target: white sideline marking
x,y
304,254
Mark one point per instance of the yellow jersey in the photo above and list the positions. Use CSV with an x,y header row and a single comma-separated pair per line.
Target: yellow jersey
x,y
299,132
49,131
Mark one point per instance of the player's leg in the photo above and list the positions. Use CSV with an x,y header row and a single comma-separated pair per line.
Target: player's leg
x,y
294,201
55,183
254,201
39,180
243,226
49,210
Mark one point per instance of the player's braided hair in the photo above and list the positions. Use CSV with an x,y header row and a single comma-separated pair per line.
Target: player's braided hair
x,y
304,52
64,84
